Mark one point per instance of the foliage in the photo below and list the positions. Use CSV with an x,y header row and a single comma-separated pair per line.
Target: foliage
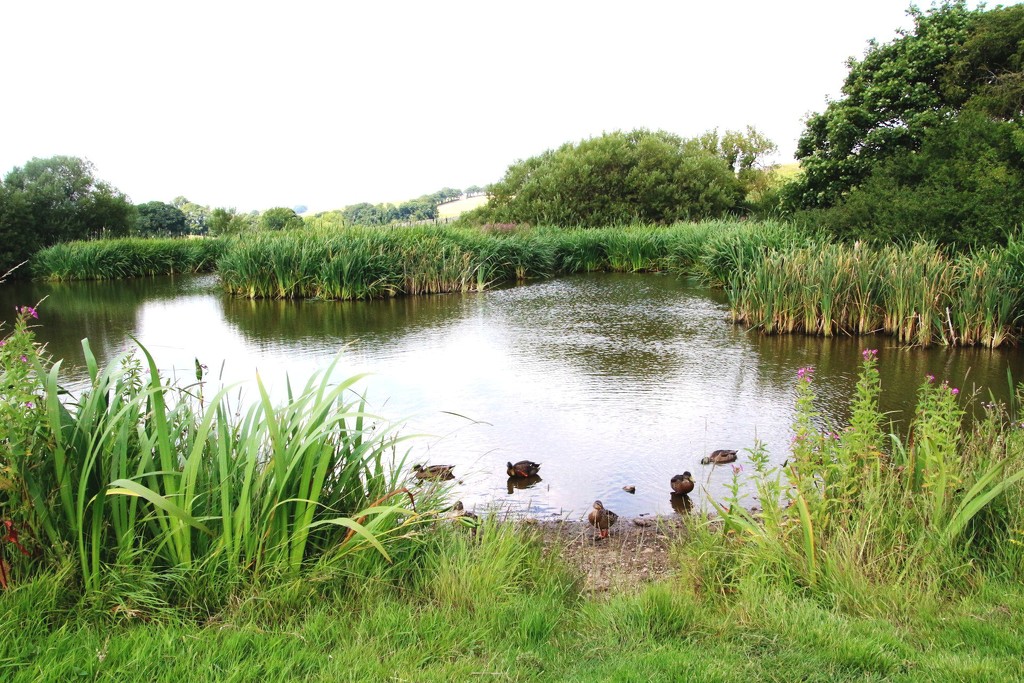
x,y
926,139
139,474
160,219
650,177
279,218
53,200
868,509
223,221
197,217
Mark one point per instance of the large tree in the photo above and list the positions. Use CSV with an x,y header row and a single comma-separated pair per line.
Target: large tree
x,y
161,219
280,218
957,73
54,200
620,177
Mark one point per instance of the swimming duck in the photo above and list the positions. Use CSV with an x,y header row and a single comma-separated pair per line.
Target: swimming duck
x,y
682,483
523,468
601,518
434,471
719,457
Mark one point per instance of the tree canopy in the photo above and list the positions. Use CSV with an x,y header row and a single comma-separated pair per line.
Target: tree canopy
x,y
928,132
280,218
619,177
160,219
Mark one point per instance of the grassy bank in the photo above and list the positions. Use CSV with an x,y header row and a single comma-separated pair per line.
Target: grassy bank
x,y
156,531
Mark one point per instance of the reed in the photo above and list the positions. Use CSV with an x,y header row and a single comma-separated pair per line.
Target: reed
x,y
137,472
916,293
124,258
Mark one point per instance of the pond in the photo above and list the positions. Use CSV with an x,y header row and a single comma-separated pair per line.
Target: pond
x,y
607,380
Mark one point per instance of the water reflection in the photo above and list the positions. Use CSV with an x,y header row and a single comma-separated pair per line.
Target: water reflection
x,y
680,503
609,380
522,483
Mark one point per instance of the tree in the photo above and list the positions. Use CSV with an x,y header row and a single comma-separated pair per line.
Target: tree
x,y
901,90
280,218
197,217
929,128
160,219
53,200
654,177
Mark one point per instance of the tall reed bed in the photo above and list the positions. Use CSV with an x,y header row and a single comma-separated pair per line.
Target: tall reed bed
x,y
135,473
124,258
866,512
362,263
916,293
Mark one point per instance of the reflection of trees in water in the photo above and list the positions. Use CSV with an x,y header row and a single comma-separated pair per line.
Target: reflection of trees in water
x,y
104,312
382,319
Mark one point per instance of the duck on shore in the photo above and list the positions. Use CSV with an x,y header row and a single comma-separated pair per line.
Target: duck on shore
x,y
601,518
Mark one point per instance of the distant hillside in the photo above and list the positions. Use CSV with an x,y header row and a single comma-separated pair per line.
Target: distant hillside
x,y
460,206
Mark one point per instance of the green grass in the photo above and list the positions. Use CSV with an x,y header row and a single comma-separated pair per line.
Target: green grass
x,y
499,609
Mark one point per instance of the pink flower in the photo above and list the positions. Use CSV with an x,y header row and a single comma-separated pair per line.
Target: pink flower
x,y
736,469
930,378
23,358
869,354
28,310
30,404
805,373
955,391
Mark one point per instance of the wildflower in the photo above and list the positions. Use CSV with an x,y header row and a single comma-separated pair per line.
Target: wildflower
x,y
954,391
736,469
3,342
930,378
30,405
870,354
28,310
805,373
24,359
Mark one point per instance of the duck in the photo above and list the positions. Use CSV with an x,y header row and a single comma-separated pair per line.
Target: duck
x,y
459,512
523,468
682,483
433,471
719,457
601,518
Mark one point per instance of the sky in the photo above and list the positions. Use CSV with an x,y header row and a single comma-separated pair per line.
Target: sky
x,y
255,104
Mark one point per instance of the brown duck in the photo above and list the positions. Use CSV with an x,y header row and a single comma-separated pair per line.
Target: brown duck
x,y
601,518
442,472
523,468
682,483
719,457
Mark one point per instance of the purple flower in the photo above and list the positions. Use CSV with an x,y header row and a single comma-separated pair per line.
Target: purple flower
x,y
24,359
29,310
869,354
30,404
930,378
955,391
805,373
3,342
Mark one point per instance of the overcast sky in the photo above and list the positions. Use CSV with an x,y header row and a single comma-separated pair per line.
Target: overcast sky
x,y
253,105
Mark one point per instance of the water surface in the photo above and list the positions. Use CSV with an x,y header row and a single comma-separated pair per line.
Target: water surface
x,y
606,380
